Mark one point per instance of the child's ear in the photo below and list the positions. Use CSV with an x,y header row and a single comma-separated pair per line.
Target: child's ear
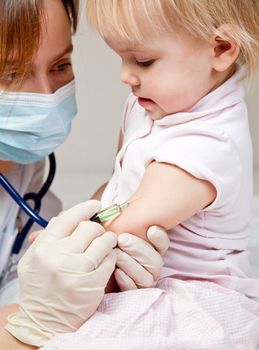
x,y
225,48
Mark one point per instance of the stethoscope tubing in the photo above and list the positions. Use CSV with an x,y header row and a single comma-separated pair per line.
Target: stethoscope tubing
x,y
21,202
35,197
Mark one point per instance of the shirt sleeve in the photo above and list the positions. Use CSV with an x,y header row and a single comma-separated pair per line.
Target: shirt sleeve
x,y
206,154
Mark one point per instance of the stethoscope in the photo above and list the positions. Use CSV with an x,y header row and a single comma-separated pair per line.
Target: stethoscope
x,y
32,213
100,217
22,202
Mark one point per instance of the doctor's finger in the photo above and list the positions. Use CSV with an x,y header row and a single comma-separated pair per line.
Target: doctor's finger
x,y
142,252
103,272
100,248
159,238
83,236
124,281
141,277
66,222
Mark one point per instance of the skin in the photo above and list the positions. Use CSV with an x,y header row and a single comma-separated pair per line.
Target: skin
x,y
164,70
50,70
162,73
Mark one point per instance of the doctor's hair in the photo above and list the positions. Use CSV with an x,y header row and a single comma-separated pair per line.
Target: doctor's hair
x,y
20,33
134,20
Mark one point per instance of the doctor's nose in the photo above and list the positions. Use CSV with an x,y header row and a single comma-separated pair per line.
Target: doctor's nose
x,y
129,78
45,86
42,85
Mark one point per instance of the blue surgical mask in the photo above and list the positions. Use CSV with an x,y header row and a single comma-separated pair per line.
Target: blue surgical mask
x,y
33,125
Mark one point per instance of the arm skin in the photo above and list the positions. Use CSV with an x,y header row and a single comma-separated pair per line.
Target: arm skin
x,y
8,342
167,196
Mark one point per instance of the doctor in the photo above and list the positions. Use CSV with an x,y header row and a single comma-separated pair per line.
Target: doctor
x,y
23,146
36,80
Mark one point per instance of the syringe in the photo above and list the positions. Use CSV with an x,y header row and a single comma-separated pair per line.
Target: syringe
x,y
109,213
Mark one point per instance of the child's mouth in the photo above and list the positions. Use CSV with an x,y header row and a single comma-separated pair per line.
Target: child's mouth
x,y
145,102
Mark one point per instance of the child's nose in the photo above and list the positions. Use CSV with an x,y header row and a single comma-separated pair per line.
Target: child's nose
x,y
129,78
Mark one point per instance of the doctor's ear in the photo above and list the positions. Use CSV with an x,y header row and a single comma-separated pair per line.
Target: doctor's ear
x,y
225,48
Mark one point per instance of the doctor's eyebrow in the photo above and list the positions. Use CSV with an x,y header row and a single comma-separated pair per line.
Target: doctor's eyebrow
x,y
69,49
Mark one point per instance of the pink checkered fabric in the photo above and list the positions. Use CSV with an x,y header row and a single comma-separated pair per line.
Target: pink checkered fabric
x,y
177,314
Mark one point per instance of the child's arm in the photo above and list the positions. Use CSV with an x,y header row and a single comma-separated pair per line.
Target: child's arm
x,y
167,196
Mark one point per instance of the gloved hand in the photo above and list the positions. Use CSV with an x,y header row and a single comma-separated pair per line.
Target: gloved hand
x,y
63,275
138,262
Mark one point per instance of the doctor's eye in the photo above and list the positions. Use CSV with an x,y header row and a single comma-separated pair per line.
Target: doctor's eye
x,y
62,67
9,76
145,63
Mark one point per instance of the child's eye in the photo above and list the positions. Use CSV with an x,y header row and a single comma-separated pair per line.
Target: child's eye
x,y
145,63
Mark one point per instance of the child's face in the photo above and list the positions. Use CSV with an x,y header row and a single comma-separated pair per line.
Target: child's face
x,y
168,73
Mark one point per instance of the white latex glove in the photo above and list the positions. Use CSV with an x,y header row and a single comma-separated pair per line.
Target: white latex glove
x,y
138,262
63,276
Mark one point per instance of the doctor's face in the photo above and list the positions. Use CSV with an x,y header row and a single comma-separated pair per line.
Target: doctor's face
x,y
51,67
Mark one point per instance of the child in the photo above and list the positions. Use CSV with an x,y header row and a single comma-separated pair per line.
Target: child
x,y
185,164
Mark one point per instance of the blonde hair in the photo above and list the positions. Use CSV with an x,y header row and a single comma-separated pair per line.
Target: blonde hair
x,y
132,20
20,31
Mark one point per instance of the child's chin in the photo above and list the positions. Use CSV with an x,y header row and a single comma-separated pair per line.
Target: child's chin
x,y
156,115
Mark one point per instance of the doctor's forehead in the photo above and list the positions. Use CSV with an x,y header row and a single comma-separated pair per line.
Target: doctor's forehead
x,y
56,36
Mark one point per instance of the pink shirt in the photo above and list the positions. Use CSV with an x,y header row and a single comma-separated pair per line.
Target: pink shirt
x,y
211,141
